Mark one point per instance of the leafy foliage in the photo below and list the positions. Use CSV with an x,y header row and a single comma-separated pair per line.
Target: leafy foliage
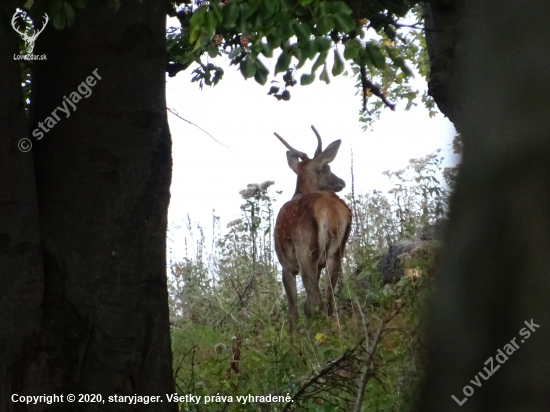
x,y
325,32
61,12
229,313
369,37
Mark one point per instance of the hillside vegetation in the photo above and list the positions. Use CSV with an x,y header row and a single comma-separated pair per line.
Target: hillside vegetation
x,y
229,312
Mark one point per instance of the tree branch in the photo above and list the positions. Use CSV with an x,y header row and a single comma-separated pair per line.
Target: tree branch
x,y
367,84
175,113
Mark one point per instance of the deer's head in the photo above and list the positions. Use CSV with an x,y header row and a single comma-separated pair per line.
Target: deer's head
x,y
314,174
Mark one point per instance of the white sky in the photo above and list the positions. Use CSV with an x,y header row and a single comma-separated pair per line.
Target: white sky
x,y
240,114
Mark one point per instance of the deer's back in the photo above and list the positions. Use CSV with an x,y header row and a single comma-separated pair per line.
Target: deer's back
x,y
316,222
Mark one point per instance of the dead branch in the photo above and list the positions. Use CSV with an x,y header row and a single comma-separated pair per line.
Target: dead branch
x,y
175,113
370,369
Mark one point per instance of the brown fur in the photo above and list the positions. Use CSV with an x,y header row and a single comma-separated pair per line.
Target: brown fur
x,y
311,232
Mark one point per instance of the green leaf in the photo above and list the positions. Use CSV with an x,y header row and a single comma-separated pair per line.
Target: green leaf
x,y
400,62
210,22
230,14
70,14
274,40
198,44
343,23
389,32
375,55
282,62
268,8
352,48
215,7
248,69
79,4
320,60
363,58
302,60
338,67
212,51
324,24
323,43
337,7
309,49
307,79
324,75
266,50
59,20
55,6
305,2
256,48
248,9
296,52
302,30
285,28
195,23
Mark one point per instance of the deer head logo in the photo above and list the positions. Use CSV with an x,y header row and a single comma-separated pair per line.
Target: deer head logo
x,y
29,34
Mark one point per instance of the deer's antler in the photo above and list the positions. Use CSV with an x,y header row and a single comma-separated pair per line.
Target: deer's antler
x,y
301,155
319,149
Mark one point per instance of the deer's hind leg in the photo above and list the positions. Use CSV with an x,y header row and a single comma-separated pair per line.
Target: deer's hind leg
x,y
334,265
289,282
309,268
334,270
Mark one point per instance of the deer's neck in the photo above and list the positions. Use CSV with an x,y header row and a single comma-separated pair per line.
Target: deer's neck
x,y
303,186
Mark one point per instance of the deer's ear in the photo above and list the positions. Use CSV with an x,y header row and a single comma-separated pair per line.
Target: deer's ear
x,y
293,161
329,154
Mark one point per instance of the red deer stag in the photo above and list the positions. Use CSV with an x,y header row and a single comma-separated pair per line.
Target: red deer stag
x,y
312,229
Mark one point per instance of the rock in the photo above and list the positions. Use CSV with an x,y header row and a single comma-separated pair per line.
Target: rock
x,y
433,231
391,266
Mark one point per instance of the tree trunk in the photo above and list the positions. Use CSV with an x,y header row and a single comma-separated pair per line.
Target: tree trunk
x,y
495,273
21,274
443,27
83,254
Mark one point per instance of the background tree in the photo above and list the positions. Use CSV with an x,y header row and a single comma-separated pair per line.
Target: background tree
x,y
83,300
494,272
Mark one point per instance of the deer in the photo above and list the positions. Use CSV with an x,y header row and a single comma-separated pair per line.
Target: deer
x,y
312,229
29,39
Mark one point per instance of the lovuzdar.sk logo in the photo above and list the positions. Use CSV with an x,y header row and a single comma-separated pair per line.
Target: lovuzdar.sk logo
x,y
29,34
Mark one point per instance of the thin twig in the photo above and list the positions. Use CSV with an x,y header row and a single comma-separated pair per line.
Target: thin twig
x,y
315,381
369,371
175,113
364,325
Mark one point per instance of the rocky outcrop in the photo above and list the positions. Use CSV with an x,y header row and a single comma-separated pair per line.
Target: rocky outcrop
x,y
413,257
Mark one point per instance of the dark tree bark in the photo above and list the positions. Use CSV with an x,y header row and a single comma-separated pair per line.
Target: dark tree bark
x,y
21,269
83,298
443,23
495,272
